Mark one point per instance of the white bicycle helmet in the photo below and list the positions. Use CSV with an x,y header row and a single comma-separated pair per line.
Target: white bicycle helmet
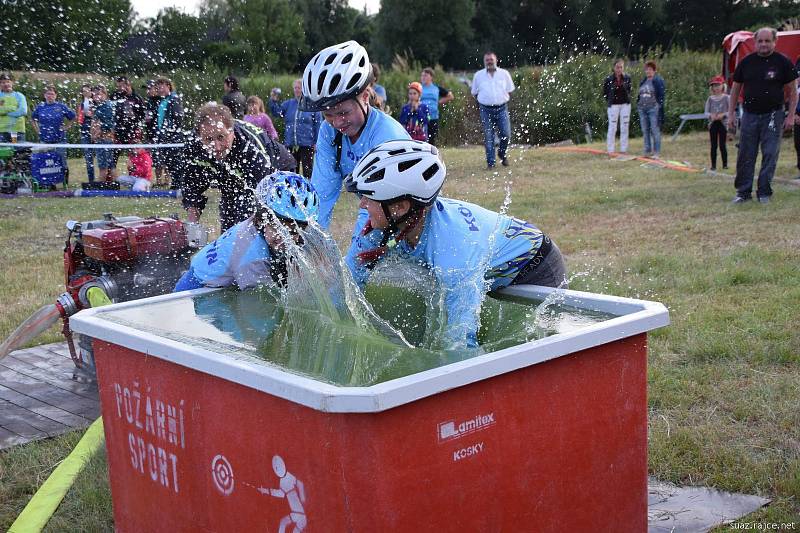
x,y
334,75
398,170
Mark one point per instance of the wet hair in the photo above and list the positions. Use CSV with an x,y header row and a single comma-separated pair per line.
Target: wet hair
x,y
211,113
233,82
258,101
428,70
651,64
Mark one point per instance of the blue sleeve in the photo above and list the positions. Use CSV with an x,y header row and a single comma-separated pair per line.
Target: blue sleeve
x,y
35,114
424,114
188,282
403,120
68,113
361,243
276,109
325,178
317,122
22,106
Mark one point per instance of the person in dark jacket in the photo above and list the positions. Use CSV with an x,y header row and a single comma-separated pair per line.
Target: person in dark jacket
x,y
617,92
231,152
129,112
169,129
651,109
233,98
302,127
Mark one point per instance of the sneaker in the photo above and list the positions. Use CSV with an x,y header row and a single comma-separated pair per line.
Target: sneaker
x,y
763,199
740,200
489,167
726,167
504,161
713,169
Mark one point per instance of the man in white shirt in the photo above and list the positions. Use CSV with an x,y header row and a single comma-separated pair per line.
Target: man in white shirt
x,y
492,87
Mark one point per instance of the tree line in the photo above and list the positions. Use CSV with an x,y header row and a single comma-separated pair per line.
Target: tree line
x,y
251,36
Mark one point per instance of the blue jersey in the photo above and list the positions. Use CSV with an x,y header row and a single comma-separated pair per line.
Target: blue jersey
x,y
239,256
51,121
430,97
469,249
326,179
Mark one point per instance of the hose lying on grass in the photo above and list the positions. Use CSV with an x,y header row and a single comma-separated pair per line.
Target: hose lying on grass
x,y
47,499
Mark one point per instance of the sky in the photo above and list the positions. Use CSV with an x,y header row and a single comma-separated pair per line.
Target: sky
x,y
148,8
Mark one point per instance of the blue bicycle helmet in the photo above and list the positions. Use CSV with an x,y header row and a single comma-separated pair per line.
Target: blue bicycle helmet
x,y
289,195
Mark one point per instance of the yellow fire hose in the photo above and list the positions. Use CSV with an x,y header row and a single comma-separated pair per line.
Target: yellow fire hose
x,y
47,499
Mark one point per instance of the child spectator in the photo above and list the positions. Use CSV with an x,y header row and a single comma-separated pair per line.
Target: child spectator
x,y
258,117
102,132
140,168
415,115
717,112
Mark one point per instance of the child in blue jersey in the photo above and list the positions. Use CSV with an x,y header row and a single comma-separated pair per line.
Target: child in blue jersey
x,y
251,252
468,248
335,83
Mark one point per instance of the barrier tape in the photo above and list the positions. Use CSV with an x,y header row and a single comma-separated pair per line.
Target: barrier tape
x,y
671,165
88,146
47,499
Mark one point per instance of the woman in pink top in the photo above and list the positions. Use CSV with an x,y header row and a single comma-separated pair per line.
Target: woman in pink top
x,y
257,117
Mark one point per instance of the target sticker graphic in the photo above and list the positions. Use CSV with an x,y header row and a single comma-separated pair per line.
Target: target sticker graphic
x,y
222,474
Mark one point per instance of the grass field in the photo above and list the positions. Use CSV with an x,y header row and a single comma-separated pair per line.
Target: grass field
x,y
724,378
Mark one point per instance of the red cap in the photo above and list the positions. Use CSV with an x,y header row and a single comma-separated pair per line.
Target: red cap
x,y
716,80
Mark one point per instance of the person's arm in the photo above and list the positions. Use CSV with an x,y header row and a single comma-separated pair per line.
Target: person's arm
x,y
792,88
325,178
734,97
277,110
69,116
359,244
445,96
661,96
463,299
22,106
272,133
474,87
35,119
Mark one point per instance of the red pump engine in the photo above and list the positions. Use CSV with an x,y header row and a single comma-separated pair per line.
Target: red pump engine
x,y
127,258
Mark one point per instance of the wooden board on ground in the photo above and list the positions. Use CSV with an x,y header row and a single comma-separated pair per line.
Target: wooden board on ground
x,y
39,396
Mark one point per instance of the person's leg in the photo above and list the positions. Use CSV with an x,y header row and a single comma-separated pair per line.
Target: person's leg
x,y
62,154
770,150
746,158
624,124
723,149
88,155
433,131
613,119
713,136
551,272
797,145
655,131
488,135
644,122
504,123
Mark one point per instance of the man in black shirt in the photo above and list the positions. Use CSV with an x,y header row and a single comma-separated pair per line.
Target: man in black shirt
x,y
232,153
766,76
129,114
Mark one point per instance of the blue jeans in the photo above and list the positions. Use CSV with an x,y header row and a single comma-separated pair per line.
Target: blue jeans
x,y
88,154
495,118
648,119
764,130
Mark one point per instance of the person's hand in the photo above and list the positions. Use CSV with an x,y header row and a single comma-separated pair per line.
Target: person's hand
x,y
797,119
731,122
788,122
